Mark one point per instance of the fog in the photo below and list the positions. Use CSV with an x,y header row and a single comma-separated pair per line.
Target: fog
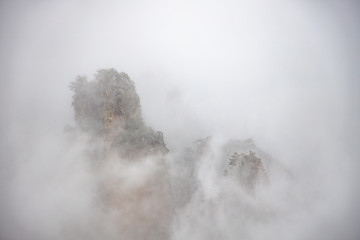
x,y
284,73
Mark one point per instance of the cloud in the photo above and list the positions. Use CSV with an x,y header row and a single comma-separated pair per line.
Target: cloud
x,y
285,74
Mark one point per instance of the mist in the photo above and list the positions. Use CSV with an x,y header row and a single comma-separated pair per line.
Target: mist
x,y
285,74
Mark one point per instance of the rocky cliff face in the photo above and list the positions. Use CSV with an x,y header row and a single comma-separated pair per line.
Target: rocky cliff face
x,y
109,107
132,182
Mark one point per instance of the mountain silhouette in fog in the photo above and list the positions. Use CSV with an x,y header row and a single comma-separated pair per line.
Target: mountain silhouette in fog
x,y
109,107
108,111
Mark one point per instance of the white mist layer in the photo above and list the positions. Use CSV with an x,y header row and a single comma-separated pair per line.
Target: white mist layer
x,y
285,74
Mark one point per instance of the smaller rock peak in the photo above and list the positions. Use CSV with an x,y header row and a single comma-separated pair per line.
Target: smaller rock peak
x,y
248,169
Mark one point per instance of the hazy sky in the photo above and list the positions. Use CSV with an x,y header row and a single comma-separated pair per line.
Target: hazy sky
x,y
276,71
285,73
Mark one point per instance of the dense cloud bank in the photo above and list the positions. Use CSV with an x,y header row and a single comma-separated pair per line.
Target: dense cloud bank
x,y
284,74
